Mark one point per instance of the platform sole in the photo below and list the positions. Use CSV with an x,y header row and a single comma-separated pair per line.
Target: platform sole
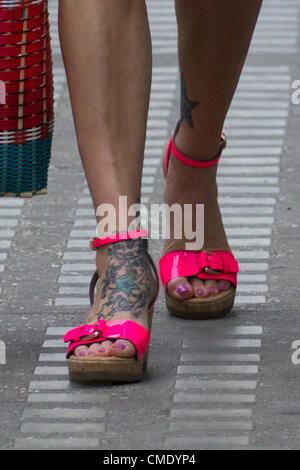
x,y
106,369
202,309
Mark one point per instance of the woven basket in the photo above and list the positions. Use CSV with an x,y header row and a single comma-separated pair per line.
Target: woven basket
x,y
26,97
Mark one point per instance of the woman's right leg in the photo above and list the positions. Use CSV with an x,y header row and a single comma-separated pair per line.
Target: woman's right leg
x,y
106,49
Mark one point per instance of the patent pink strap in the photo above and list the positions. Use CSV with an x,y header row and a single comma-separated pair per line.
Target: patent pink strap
x,y
190,161
112,330
96,242
219,265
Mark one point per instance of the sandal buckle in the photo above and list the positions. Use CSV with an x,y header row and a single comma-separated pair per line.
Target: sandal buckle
x,y
207,269
212,271
223,140
93,336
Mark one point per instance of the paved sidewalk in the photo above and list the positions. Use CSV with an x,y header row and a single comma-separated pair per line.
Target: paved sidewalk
x,y
230,383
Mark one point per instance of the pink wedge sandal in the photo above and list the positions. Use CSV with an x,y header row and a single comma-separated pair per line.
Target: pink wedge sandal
x,y
211,264
111,369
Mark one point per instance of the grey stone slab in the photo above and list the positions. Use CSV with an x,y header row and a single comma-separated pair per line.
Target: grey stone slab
x,y
63,414
62,428
225,426
82,397
53,444
213,413
213,398
219,369
215,384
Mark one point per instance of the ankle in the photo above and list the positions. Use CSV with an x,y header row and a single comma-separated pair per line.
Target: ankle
x,y
198,145
125,252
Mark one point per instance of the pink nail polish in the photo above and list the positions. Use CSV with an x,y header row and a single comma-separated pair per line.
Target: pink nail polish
x,y
200,292
212,290
119,345
101,349
91,353
222,287
81,353
181,289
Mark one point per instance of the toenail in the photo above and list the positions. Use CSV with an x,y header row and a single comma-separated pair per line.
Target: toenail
x,y
91,353
119,345
212,290
200,292
222,287
81,353
101,349
182,289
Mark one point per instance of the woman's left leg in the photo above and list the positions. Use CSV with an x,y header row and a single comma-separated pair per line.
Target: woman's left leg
x,y
214,38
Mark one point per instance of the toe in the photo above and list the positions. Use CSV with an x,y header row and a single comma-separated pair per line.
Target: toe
x,y
93,349
199,287
103,349
180,288
223,285
99,349
81,351
212,287
122,348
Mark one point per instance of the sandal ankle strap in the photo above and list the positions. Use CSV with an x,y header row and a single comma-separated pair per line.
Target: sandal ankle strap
x,y
96,242
134,234
186,160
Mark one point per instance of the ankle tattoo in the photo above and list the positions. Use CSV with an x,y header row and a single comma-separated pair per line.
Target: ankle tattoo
x,y
125,287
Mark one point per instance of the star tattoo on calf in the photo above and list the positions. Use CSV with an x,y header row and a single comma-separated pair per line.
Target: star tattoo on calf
x,y
187,105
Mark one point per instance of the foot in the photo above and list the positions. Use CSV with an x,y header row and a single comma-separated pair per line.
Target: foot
x,y
187,185
124,291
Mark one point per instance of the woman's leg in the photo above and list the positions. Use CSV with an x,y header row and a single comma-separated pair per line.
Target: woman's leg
x,y
214,38
107,55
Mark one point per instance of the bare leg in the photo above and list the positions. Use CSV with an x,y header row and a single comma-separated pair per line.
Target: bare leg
x,y
214,37
107,55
